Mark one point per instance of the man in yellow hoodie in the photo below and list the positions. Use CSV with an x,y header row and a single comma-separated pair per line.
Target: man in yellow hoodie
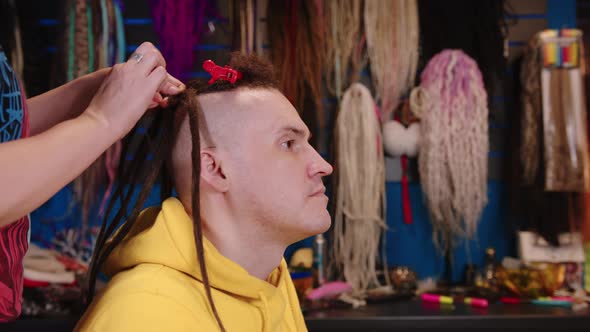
x,y
259,188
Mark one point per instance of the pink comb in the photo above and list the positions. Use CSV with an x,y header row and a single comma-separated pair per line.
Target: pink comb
x,y
329,289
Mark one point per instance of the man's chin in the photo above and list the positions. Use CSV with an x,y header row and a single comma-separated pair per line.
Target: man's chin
x,y
322,225
327,223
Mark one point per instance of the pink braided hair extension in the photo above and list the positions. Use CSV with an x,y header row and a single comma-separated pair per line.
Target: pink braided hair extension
x,y
452,104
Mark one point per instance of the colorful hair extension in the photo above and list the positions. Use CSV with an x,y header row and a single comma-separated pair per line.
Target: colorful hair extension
x,y
103,56
295,30
453,158
120,48
179,25
359,221
94,32
114,39
535,209
552,104
567,163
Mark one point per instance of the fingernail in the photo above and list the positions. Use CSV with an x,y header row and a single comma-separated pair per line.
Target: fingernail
x,y
174,89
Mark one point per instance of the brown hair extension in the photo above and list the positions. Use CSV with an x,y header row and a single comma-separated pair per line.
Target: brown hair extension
x,y
296,34
161,128
547,213
81,39
532,117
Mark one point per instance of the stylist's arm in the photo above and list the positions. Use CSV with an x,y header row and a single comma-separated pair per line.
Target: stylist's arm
x,y
33,169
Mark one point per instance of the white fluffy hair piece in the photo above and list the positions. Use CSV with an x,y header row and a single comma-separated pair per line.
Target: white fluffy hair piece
x,y
399,140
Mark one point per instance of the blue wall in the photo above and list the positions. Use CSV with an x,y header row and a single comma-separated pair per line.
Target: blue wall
x,y
411,244
561,14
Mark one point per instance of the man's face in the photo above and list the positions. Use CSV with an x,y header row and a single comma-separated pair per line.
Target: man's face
x,y
274,174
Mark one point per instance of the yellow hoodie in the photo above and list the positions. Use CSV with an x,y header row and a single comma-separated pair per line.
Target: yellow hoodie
x,y
156,284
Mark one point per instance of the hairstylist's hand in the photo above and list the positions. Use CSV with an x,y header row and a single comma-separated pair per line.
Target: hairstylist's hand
x,y
131,88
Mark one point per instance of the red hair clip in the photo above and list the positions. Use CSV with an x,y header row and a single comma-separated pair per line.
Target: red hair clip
x,y
221,73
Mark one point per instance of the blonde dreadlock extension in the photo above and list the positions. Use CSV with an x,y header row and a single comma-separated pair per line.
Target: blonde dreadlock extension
x,y
392,31
343,44
359,220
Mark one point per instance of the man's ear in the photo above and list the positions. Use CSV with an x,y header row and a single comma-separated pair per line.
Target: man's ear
x,y
212,172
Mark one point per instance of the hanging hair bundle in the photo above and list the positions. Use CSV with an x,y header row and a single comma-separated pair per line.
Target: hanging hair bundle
x,y
544,191
83,37
95,39
344,47
406,43
392,31
359,221
295,31
532,113
244,21
452,104
178,25
379,29
566,157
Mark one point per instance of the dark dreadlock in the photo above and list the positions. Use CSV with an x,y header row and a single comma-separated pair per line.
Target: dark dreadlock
x,y
157,139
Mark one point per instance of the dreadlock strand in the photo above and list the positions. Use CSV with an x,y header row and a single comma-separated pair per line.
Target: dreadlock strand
x,y
163,145
131,171
194,111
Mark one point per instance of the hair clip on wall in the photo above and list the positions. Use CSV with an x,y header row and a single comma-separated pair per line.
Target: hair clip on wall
x,y
221,73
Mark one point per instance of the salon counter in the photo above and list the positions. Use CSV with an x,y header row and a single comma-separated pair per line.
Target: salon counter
x,y
399,316
404,315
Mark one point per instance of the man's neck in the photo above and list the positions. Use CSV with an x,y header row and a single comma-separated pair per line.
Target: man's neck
x,y
254,254
244,242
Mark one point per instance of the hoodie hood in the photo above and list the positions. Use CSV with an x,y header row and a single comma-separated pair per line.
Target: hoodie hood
x,y
165,236
157,284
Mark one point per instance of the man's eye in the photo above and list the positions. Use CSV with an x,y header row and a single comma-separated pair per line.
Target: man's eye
x,y
288,144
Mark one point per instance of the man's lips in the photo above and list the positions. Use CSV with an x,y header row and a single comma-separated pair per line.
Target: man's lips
x,y
319,192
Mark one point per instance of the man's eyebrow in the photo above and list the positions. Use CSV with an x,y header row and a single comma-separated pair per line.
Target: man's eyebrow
x,y
301,132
